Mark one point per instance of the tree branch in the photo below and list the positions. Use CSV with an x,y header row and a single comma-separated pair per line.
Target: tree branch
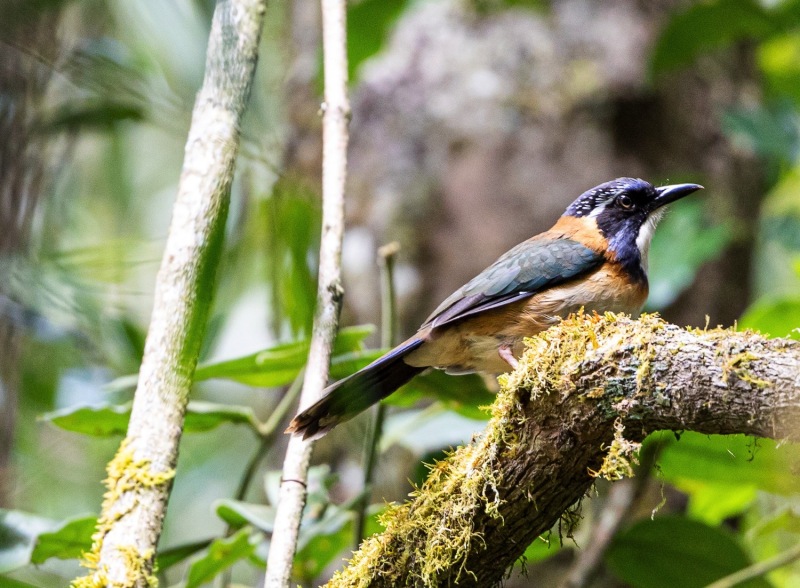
x,y
335,120
587,390
140,476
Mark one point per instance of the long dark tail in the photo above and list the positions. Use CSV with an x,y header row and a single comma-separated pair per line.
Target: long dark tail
x,y
355,394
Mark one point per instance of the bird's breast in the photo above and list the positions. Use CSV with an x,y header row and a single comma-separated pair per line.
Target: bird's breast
x,y
608,289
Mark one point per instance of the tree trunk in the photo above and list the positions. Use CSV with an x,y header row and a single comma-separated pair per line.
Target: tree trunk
x,y
140,475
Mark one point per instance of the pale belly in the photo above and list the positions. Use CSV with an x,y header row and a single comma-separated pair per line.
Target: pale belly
x,y
472,344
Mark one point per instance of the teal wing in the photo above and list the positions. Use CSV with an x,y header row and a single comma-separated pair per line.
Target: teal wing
x,y
528,268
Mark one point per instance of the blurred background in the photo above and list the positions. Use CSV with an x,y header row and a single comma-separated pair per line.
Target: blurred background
x,y
475,123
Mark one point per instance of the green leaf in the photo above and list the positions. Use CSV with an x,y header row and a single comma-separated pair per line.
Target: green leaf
x,y
204,416
18,533
68,541
290,255
106,420
98,420
786,520
462,394
777,317
221,554
167,558
7,582
769,131
540,549
674,551
347,364
279,365
713,503
683,243
92,115
708,26
728,459
368,23
320,543
782,204
535,5
238,514
779,60
425,431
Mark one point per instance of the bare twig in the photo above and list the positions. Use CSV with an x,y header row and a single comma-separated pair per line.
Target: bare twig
x,y
585,392
140,475
267,433
336,116
758,569
386,259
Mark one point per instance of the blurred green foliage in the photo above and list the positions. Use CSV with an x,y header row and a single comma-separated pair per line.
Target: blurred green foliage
x,y
675,551
368,23
685,240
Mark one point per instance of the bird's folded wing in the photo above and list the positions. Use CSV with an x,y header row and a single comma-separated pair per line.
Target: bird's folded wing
x,y
528,268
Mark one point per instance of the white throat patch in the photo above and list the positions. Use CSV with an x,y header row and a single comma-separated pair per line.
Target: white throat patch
x,y
646,232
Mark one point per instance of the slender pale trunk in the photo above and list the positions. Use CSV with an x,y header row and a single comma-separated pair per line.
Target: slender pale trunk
x,y
140,476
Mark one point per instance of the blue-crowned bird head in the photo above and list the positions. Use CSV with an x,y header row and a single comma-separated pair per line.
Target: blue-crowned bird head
x,y
627,211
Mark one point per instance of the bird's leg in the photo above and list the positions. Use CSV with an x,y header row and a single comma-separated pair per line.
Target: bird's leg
x,y
505,354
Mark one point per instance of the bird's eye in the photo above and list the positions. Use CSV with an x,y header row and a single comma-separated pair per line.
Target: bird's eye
x,y
625,201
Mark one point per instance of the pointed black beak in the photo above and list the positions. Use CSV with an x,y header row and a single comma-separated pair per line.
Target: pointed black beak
x,y
667,194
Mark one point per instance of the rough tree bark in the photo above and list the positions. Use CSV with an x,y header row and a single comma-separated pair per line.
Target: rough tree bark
x,y
586,392
140,476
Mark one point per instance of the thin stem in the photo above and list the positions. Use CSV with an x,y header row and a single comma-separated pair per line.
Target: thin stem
x,y
758,569
387,255
336,116
386,258
267,433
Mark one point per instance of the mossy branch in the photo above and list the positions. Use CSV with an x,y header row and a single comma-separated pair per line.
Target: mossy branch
x,y
585,393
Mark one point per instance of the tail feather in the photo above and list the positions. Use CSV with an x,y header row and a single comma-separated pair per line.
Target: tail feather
x,y
352,395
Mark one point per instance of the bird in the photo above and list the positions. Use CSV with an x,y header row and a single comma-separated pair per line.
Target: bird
x,y
594,258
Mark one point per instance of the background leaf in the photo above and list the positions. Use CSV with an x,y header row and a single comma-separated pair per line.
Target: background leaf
x,y
777,317
107,420
238,514
279,365
672,551
18,533
321,542
707,26
221,554
462,394
685,240
166,558
67,541
735,460
368,23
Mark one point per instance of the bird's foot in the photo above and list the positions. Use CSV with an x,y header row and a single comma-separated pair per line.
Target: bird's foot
x,y
505,353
